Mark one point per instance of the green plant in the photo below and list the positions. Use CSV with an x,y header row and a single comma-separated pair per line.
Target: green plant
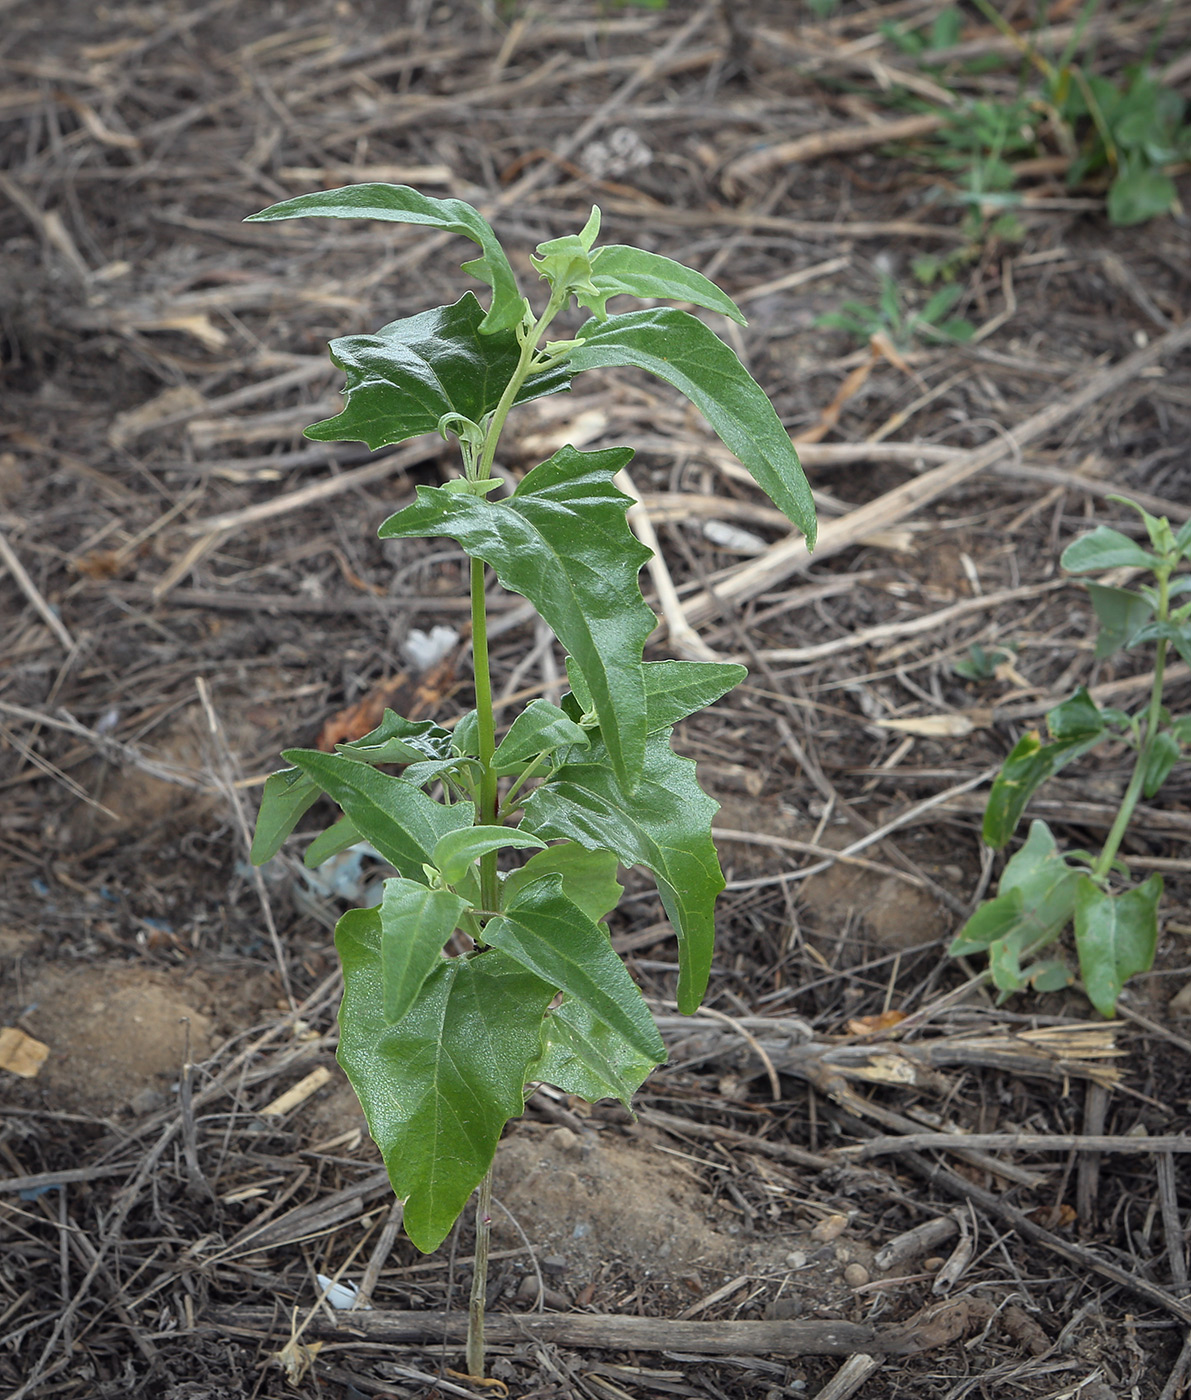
x,y
1044,890
440,1048
981,665
889,317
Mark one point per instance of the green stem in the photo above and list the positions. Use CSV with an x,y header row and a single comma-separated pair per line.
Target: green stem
x,y
479,1279
1133,791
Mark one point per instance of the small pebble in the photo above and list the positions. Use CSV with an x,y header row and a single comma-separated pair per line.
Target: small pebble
x,y
796,1259
829,1229
563,1140
855,1275
933,1264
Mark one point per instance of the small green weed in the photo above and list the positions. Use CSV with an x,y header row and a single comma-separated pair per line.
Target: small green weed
x,y
981,665
1044,890
889,317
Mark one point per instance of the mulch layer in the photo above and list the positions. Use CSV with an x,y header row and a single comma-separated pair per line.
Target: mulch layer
x,y
858,1175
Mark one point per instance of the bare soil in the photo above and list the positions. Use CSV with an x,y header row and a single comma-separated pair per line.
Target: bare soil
x,y
186,609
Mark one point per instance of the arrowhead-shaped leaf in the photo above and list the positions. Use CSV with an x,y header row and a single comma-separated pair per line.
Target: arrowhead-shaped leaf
x,y
332,842
581,1055
1028,766
1116,936
1105,548
397,818
399,204
287,796
540,728
405,378
618,270
1121,614
680,349
562,542
673,689
588,877
457,851
545,932
415,923
439,1085
665,825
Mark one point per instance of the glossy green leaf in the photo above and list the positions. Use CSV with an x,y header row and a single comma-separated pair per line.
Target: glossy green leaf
x,y
1028,766
398,819
1105,548
415,923
562,542
588,877
1162,753
581,1055
540,728
673,689
1116,937
399,740
664,824
400,204
544,931
286,798
438,1086
620,270
412,373
455,852
1121,614
679,348
332,842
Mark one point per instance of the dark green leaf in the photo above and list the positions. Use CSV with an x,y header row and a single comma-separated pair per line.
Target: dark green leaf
x,y
583,1056
411,373
332,842
438,1087
464,771
399,740
400,204
540,728
675,689
1162,753
1029,765
617,269
415,923
287,796
1105,549
664,824
588,877
397,818
562,542
1182,540
1177,634
457,850
544,931
680,349
1116,936
1078,717
1121,614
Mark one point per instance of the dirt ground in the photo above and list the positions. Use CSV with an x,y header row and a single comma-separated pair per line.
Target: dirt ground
x,y
189,585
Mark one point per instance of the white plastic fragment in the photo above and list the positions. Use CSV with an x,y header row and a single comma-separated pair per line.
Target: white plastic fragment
x,y
341,1295
426,649
733,538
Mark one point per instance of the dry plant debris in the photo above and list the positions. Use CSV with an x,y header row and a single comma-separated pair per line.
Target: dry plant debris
x,y
163,523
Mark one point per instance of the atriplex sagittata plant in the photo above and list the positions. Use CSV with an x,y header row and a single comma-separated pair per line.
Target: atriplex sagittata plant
x,y
440,1049
1043,890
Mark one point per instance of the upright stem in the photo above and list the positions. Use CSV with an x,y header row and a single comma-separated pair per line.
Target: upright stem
x,y
1121,822
486,725
479,1279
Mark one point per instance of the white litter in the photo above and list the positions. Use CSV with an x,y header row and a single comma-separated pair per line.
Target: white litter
x,y
733,538
426,649
341,1295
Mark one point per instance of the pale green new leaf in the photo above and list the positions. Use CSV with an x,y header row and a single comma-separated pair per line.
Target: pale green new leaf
x,y
619,270
287,796
414,372
1105,548
398,819
415,923
455,852
583,1056
664,824
562,542
1116,936
438,1086
588,877
540,728
399,204
545,932
680,349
